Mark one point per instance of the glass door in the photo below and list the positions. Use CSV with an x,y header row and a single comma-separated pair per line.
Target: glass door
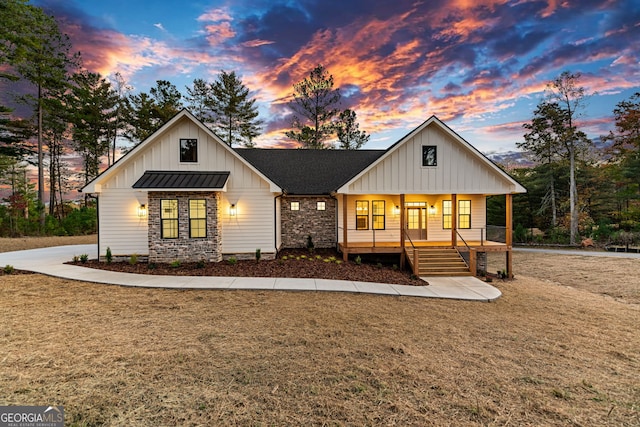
x,y
417,223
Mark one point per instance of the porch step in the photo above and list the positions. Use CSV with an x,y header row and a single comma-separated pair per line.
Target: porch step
x,y
439,262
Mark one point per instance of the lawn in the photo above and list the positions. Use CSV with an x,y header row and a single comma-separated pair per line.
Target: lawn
x,y
549,352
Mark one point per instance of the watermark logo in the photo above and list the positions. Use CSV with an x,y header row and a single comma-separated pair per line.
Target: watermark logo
x,y
31,416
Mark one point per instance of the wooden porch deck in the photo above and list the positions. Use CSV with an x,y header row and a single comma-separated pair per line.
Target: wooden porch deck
x,y
396,248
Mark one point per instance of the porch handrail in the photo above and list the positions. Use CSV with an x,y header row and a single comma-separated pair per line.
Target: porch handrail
x,y
465,243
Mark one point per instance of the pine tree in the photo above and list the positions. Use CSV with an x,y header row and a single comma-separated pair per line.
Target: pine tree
x,y
350,136
93,105
234,114
315,107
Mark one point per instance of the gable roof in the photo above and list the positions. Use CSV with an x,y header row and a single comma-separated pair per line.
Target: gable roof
x,y
434,121
309,172
182,180
95,185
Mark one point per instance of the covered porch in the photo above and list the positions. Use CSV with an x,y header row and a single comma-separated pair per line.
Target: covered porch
x,y
411,243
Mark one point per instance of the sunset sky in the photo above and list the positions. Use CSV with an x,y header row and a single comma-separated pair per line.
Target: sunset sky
x,y
479,65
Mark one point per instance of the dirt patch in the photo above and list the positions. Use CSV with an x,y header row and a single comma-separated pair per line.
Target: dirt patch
x,y
323,264
618,278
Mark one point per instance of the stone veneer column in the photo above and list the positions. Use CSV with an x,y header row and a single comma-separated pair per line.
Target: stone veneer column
x,y
184,248
308,221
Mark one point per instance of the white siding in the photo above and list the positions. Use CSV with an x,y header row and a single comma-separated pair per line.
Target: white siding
x,y
459,169
120,227
250,229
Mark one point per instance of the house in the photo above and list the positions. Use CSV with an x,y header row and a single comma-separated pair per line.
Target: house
x,y
183,194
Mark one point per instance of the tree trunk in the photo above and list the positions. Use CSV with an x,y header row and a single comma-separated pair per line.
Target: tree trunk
x,y
573,195
40,160
554,209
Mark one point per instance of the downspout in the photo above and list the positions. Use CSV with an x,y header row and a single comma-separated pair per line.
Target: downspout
x,y
97,221
333,196
275,219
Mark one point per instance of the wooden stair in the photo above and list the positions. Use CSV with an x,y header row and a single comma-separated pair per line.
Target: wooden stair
x,y
438,262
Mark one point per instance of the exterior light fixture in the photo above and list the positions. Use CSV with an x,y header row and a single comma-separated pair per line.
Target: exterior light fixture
x,y
432,210
232,210
142,210
396,210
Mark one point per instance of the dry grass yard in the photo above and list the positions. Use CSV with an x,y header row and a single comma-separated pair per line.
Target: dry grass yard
x,y
554,350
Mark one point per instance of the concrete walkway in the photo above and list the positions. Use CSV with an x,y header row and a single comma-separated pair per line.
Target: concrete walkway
x,y
50,261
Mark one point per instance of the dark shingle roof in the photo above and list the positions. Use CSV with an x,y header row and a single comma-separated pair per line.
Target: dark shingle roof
x,y
309,172
156,180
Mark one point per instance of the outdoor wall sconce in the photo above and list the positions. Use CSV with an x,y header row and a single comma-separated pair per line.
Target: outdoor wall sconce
x,y
142,211
232,210
396,210
432,210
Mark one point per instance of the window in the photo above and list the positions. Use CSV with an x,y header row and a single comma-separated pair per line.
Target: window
x,y
197,218
429,155
377,214
295,206
464,214
188,150
446,214
169,219
321,206
362,214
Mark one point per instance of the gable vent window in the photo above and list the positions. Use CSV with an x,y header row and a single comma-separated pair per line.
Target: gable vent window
x,y
429,155
188,150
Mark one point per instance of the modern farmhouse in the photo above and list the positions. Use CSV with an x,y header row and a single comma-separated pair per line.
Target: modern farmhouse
x,y
183,194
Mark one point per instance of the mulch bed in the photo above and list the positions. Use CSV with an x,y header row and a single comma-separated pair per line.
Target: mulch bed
x,y
290,263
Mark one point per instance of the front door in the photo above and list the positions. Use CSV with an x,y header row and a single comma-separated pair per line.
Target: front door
x,y
417,223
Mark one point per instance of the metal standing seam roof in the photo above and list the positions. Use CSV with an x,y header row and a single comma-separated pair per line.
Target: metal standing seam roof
x,y
159,180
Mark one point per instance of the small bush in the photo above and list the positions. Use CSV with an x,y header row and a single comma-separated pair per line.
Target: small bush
x,y
175,264
133,259
284,258
338,262
232,260
258,255
394,267
75,258
8,269
109,256
151,266
84,258
310,245
201,264
358,260
379,265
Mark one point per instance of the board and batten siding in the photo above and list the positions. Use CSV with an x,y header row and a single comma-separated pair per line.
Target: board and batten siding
x,y
253,226
459,169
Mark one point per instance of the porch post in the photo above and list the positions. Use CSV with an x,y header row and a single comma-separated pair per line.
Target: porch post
x,y
473,256
345,251
454,220
509,234
402,236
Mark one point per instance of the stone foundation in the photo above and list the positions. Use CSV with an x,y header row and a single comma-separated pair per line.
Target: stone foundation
x,y
184,248
308,221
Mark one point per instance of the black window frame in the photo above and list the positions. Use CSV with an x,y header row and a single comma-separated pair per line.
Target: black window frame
x,y
425,150
197,219
375,215
362,217
166,221
188,154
